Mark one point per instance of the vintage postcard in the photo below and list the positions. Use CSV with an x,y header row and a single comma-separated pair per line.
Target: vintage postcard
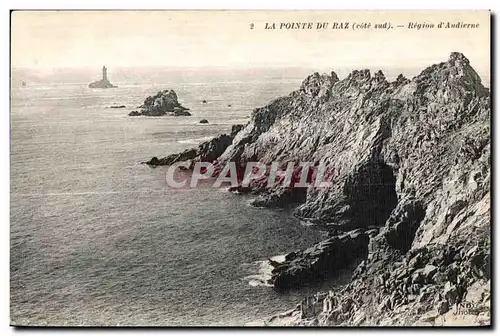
x,y
250,168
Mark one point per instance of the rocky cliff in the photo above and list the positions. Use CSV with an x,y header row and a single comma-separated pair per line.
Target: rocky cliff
x,y
163,103
410,199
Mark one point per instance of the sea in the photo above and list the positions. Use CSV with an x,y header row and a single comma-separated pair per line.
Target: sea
x,y
99,239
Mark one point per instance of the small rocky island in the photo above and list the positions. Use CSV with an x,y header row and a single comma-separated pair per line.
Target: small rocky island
x,y
163,103
104,83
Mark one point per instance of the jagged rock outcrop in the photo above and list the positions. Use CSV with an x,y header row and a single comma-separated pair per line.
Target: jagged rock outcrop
x,y
321,260
207,151
409,157
163,103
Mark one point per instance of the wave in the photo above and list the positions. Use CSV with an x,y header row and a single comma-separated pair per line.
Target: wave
x,y
264,272
196,141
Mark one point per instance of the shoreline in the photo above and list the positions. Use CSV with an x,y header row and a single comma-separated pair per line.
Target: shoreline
x,y
388,227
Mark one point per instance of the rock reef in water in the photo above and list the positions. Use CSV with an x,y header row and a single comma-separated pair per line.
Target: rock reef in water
x,y
410,165
102,84
207,151
163,103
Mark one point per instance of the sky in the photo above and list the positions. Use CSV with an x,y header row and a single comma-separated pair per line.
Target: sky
x,y
49,39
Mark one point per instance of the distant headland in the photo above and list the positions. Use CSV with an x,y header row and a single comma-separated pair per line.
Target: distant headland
x,y
104,83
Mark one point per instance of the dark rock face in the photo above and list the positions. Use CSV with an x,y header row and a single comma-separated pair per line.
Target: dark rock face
x,y
401,227
134,114
321,260
163,103
235,129
118,106
203,121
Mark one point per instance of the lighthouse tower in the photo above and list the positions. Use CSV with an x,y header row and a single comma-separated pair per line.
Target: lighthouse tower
x,y
104,82
104,73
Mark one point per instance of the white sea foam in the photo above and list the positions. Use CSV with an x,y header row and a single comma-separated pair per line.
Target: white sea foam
x,y
195,141
264,272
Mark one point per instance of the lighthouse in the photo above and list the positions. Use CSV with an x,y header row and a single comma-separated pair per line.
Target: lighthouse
x,y
104,82
104,73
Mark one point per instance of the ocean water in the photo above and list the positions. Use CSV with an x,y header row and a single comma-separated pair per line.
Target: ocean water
x,y
99,239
